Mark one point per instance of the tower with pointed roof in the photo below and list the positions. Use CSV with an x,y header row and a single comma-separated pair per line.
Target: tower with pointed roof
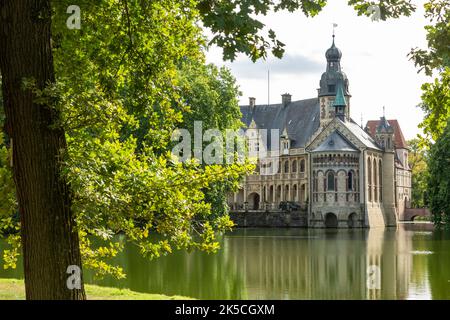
x,y
332,82
385,134
339,104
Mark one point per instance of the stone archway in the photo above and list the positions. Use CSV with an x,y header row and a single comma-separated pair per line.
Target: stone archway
x,y
253,200
331,220
352,220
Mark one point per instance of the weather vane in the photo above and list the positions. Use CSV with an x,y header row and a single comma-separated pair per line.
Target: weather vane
x,y
334,26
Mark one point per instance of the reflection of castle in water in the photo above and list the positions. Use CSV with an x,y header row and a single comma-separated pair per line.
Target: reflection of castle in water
x,y
311,265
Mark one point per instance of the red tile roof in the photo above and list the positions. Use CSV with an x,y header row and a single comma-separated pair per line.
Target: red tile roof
x,y
399,139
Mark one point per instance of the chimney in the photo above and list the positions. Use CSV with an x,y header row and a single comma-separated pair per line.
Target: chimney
x,y
252,101
286,99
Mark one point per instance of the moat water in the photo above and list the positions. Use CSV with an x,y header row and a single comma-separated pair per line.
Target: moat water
x,y
408,262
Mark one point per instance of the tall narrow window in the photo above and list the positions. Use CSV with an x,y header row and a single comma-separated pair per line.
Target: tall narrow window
x,y
350,181
302,165
375,178
369,175
380,179
294,166
286,166
330,183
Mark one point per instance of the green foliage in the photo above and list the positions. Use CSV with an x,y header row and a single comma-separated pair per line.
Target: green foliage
x,y
436,94
236,28
388,8
418,164
439,178
211,95
436,105
437,56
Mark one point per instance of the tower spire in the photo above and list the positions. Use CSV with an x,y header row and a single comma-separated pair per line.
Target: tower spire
x,y
339,103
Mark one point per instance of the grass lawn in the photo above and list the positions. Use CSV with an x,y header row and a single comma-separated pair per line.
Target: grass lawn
x,y
14,289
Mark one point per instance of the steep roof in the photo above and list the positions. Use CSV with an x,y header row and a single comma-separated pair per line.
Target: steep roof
x,y
300,118
399,139
362,135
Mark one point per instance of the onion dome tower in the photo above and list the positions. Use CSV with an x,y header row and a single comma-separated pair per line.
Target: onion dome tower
x,y
333,79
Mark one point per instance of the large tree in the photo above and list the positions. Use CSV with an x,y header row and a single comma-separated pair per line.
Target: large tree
x,y
73,100
49,239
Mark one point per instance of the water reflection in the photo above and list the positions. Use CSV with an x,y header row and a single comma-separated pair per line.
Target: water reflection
x,y
414,263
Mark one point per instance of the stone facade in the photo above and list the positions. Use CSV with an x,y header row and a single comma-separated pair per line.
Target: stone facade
x,y
324,164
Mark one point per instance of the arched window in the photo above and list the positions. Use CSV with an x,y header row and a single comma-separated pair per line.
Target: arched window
x,y
350,181
380,179
294,166
302,165
375,184
330,181
286,166
369,174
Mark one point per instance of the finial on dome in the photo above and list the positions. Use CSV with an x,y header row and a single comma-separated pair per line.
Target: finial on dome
x,y
334,26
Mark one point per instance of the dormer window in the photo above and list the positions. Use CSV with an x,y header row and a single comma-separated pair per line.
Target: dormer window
x,y
331,88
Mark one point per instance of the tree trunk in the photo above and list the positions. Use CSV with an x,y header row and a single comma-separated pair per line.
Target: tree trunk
x,y
49,238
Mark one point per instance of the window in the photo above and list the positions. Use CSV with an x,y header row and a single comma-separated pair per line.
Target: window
x,y
330,181
331,88
380,179
375,177
350,181
286,167
369,174
302,165
294,166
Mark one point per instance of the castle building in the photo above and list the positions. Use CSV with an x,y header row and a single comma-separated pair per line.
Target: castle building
x,y
324,163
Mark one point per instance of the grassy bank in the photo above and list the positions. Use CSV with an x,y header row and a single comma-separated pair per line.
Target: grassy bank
x,y
13,289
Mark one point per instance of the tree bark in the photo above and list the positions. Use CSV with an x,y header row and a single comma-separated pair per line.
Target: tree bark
x,y
49,239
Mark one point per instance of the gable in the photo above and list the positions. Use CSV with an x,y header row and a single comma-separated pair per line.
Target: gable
x,y
399,139
335,142
349,130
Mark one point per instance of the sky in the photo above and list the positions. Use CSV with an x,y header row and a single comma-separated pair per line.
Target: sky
x,y
374,57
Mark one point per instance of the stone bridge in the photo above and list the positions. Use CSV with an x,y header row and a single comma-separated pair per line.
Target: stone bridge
x,y
411,213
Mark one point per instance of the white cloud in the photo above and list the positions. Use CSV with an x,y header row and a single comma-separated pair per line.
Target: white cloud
x,y
374,59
